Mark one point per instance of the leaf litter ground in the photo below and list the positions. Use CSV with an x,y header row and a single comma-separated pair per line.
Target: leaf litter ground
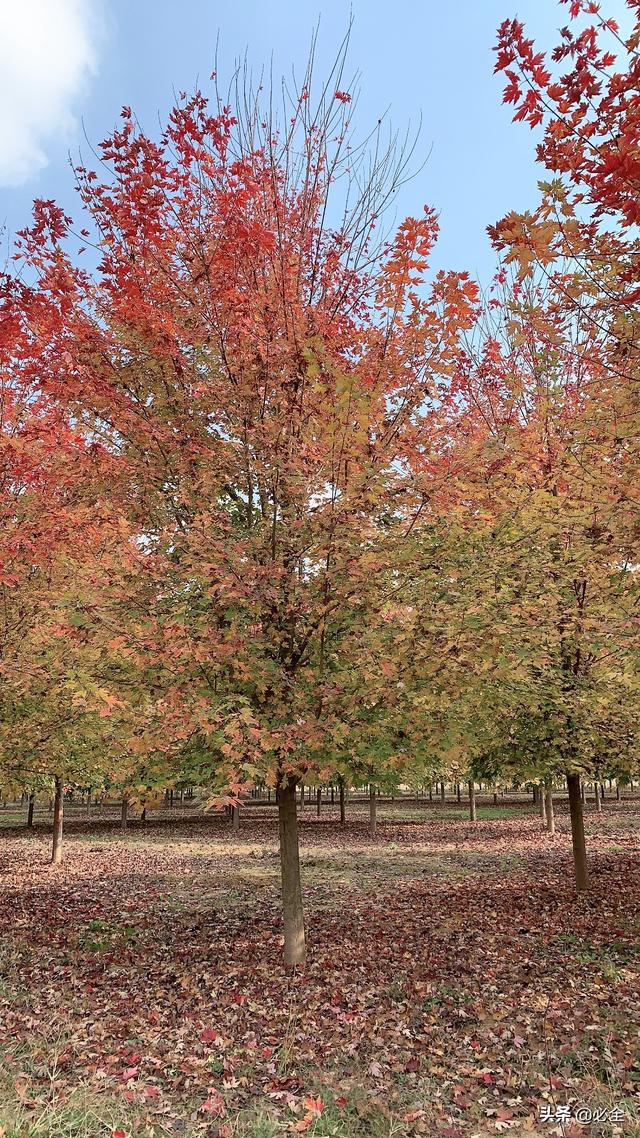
x,y
455,983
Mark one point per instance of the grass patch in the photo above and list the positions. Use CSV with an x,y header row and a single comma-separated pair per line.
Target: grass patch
x,y
358,1118
81,1116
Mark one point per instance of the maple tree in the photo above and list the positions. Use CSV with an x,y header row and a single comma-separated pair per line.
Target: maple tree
x,y
253,377
582,242
559,601
50,698
509,638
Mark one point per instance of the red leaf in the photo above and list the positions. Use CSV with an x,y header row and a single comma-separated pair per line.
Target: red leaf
x,y
214,1104
315,1105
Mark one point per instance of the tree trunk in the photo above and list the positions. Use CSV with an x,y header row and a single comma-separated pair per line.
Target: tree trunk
x,y
58,821
535,796
124,812
318,801
597,797
430,793
32,800
235,818
294,946
577,833
495,798
458,793
302,794
543,806
442,793
373,807
551,820
343,815
143,814
617,791
472,802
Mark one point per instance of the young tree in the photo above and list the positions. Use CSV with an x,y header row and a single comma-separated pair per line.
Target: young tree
x,y
256,364
553,581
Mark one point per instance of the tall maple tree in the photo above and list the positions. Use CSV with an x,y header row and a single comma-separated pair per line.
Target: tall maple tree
x,y
553,586
50,526
254,361
582,242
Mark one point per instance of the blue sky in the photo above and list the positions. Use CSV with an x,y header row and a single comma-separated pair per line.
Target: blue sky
x,y
67,66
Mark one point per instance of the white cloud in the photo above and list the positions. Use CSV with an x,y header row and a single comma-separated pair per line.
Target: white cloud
x,y
47,55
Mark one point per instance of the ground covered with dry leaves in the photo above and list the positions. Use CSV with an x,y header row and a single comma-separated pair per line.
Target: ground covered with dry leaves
x,y
455,985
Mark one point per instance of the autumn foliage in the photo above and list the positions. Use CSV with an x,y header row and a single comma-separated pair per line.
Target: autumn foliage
x,y
281,505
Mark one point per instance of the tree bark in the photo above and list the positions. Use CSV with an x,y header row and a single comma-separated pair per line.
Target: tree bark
x,y
458,793
235,817
58,822
293,915
442,793
373,807
551,819
577,833
617,791
32,800
302,794
343,814
472,802
543,805
124,812
597,796
495,798
318,800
